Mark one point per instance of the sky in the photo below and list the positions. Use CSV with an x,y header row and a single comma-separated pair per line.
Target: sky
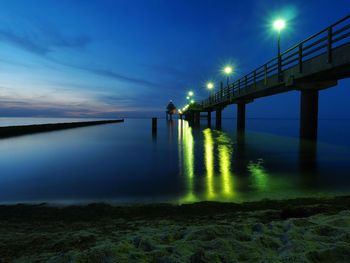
x,y
122,58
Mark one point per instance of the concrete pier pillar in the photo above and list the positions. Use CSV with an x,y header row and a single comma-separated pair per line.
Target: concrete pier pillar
x,y
197,118
308,114
240,117
209,118
218,118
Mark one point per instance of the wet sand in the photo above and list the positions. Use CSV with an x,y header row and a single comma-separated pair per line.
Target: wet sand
x,y
298,230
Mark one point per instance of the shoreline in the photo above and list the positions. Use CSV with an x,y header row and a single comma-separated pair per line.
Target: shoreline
x,y
12,131
295,230
299,207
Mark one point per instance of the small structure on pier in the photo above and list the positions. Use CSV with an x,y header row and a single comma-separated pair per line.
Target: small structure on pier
x,y
170,110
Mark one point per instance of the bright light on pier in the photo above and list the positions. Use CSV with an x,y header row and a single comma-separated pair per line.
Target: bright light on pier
x,y
228,70
190,93
192,101
210,85
279,24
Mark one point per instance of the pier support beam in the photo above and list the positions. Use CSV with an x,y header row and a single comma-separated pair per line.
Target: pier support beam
x,y
209,118
241,117
308,114
218,118
197,118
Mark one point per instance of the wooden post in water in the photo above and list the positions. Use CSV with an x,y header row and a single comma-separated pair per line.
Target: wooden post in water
x,y
154,125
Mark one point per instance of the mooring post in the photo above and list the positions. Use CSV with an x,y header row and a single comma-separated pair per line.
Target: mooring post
x,y
309,114
154,125
218,118
240,117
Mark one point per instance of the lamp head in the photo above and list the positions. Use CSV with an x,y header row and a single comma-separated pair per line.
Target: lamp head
x,y
228,70
279,24
210,85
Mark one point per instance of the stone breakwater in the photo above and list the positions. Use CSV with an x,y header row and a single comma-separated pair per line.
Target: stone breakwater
x,y
10,131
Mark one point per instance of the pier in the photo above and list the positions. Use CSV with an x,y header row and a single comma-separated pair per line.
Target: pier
x,y
310,66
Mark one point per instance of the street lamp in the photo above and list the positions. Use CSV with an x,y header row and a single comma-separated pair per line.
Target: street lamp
x,y
192,101
190,93
210,85
228,71
187,97
279,25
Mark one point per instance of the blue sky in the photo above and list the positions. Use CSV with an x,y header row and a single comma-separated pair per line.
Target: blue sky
x,y
129,58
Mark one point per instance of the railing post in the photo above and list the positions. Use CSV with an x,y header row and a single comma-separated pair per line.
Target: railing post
x,y
279,70
232,94
265,74
254,78
221,90
239,86
301,58
245,81
329,45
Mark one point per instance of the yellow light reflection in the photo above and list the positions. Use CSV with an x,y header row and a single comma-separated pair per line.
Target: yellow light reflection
x,y
209,161
186,143
225,153
259,176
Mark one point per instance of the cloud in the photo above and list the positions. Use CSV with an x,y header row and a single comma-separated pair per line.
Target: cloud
x,y
118,76
42,43
44,39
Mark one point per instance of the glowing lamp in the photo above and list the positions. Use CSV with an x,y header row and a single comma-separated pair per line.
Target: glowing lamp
x,y
210,85
279,24
228,70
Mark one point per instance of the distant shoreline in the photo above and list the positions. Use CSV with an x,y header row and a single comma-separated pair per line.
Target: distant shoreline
x,y
12,131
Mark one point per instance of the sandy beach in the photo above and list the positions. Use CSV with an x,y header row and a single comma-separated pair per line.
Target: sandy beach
x,y
298,230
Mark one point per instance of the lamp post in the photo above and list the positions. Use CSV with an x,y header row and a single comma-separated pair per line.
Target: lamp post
x,y
228,71
279,25
210,87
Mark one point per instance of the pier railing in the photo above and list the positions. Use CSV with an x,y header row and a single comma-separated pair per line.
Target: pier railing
x,y
320,43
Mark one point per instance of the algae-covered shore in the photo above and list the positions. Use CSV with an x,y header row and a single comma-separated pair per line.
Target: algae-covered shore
x,y
298,230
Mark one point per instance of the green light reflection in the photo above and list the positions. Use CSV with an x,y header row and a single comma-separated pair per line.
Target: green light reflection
x,y
209,161
186,148
225,153
260,179
218,183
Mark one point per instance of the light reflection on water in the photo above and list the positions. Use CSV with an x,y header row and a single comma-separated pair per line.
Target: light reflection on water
x,y
182,163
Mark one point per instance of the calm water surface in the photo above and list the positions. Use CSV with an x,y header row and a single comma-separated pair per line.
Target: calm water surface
x,y
124,163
